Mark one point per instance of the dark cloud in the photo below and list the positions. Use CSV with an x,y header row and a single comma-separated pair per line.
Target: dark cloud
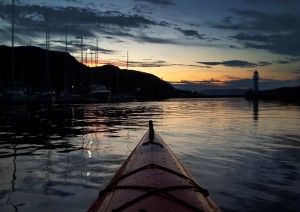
x,y
149,63
234,83
286,44
271,1
79,17
72,19
282,61
211,63
257,38
197,85
30,25
206,82
254,20
147,39
296,72
277,33
159,2
239,63
263,63
191,33
234,63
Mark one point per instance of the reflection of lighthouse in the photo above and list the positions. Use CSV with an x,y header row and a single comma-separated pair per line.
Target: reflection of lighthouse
x,y
255,81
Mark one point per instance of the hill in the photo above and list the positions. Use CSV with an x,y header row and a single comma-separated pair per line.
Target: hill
x,y
64,72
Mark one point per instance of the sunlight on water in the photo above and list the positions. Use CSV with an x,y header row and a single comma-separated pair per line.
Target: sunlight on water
x,y
247,154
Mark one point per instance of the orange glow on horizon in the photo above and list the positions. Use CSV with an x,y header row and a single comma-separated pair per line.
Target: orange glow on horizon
x,y
180,73
121,65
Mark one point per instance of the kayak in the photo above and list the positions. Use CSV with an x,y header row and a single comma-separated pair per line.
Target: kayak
x,y
153,179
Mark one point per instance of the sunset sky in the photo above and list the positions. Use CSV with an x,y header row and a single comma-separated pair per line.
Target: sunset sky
x,y
194,44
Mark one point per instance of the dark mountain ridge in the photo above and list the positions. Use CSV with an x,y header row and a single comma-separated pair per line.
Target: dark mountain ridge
x,y
64,72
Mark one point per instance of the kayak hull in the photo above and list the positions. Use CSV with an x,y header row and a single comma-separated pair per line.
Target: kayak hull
x,y
153,179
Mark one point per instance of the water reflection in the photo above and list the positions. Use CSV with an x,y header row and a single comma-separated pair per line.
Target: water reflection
x,y
48,127
255,110
52,156
53,150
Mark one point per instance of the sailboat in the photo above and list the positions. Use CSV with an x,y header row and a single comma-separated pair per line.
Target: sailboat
x,y
65,95
98,92
46,96
14,92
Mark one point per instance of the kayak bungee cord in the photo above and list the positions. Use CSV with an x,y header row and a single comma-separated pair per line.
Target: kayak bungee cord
x,y
153,179
154,190
152,165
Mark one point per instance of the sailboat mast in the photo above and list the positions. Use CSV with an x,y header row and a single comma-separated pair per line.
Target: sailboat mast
x,y
91,67
81,49
96,57
12,40
127,60
66,42
47,46
66,71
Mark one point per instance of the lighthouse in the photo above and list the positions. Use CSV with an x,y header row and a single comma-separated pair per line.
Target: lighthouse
x,y
255,81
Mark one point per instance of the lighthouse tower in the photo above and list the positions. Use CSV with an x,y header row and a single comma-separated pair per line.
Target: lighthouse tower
x,y
255,81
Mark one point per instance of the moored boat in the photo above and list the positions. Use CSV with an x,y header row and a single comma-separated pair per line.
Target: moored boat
x,y
15,94
153,179
99,93
45,97
65,96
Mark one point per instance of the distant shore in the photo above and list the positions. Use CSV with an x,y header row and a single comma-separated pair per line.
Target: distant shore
x,y
287,94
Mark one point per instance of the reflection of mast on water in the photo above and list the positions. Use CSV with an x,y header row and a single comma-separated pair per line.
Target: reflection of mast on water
x,y
49,166
14,178
255,110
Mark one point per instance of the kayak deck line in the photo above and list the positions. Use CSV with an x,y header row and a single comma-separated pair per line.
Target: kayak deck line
x,y
153,190
152,165
153,179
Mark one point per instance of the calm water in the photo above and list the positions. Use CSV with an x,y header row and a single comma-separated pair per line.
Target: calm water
x,y
58,158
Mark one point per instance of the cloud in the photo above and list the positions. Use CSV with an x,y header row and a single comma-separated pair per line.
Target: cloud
x,y
263,63
287,60
254,20
159,2
197,85
233,83
286,44
147,39
236,63
88,23
72,19
271,1
277,33
211,81
296,72
191,33
149,64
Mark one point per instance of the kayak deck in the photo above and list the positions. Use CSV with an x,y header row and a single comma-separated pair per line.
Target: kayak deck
x,y
152,179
